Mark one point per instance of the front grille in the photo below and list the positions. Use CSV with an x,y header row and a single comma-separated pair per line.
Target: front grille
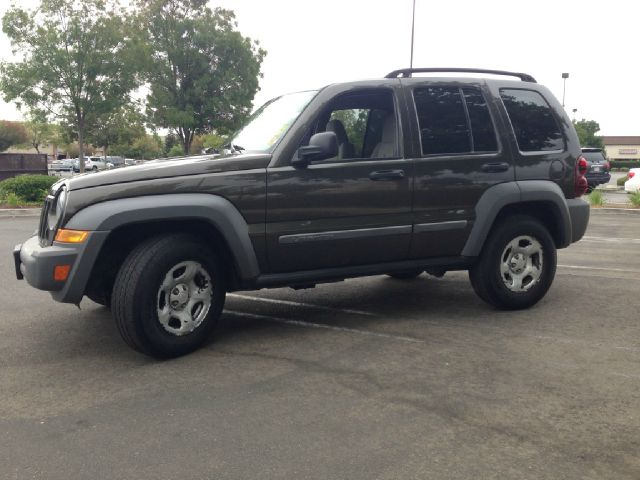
x,y
43,227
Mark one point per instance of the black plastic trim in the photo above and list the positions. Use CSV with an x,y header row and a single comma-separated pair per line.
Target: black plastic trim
x,y
406,72
344,234
325,275
440,226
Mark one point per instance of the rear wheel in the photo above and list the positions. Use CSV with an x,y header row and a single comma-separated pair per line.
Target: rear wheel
x,y
517,266
168,296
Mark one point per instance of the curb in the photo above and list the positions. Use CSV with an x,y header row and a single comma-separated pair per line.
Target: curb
x,y
617,211
19,212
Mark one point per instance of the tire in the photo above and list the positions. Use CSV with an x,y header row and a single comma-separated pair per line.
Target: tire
x,y
94,169
160,273
408,275
517,265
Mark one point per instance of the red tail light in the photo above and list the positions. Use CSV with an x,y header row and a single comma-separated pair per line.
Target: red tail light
x,y
581,185
607,166
631,174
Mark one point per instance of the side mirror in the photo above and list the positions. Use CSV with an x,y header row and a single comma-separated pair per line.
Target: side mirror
x,y
321,146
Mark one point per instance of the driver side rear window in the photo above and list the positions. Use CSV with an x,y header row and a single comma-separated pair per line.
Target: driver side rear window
x,y
454,120
533,122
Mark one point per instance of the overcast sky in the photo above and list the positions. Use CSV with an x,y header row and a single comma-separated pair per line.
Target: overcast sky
x,y
310,44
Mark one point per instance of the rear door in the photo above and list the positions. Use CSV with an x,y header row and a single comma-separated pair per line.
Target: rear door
x,y
459,154
350,210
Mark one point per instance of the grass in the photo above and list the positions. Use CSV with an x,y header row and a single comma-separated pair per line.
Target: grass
x,y
635,199
596,199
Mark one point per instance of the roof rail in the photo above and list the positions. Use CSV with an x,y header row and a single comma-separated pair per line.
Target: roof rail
x,y
406,72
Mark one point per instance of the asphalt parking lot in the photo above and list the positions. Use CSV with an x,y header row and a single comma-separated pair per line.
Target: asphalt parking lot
x,y
366,379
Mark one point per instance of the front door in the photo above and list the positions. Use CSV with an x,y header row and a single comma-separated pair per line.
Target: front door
x,y
353,209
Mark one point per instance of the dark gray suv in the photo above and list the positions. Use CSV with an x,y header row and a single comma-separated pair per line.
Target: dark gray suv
x,y
395,175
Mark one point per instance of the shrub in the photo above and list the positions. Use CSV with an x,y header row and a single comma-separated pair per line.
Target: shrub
x,y
596,198
13,200
625,163
28,188
621,180
635,199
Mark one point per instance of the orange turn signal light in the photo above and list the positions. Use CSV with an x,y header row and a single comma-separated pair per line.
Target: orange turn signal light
x,y
71,236
61,272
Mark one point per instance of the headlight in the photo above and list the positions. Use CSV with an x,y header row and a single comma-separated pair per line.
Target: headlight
x,y
56,210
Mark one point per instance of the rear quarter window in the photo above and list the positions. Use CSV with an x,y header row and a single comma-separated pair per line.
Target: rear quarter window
x,y
534,125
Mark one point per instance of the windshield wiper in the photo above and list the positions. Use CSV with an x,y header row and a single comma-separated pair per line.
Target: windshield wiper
x,y
234,148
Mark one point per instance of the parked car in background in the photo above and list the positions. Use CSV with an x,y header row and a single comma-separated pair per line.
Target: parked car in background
x,y
91,164
599,167
64,165
633,184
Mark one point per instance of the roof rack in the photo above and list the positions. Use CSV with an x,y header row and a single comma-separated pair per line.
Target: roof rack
x,y
406,72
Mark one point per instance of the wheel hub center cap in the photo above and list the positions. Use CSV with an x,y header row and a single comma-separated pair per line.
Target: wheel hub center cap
x,y
517,262
179,296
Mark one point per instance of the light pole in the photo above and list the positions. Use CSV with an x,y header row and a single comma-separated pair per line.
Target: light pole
x,y
574,114
564,86
413,24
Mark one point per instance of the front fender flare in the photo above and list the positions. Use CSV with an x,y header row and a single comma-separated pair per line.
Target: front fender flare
x,y
218,211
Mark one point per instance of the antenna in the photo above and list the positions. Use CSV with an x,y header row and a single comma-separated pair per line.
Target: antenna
x,y
413,24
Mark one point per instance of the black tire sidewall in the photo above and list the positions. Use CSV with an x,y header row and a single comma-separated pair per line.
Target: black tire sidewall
x,y
150,330
496,291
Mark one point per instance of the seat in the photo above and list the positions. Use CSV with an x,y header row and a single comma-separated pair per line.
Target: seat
x,y
345,148
387,146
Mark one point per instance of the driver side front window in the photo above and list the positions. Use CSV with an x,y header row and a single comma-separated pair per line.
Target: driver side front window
x,y
365,125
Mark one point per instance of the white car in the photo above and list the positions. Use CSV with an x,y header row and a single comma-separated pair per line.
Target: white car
x,y
633,184
91,164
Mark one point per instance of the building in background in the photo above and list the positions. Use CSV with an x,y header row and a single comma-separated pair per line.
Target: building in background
x,y
622,148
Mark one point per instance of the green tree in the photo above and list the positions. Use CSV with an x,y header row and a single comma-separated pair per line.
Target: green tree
x,y
11,133
121,127
213,141
78,60
169,141
203,74
146,147
39,132
587,130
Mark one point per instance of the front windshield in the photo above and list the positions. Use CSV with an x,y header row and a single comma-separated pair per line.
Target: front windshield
x,y
270,122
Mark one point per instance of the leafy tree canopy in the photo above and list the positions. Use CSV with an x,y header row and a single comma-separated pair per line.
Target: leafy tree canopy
x,y
11,133
587,130
78,59
120,127
203,74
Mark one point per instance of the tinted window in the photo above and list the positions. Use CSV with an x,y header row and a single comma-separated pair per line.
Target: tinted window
x,y
593,157
483,134
442,120
532,120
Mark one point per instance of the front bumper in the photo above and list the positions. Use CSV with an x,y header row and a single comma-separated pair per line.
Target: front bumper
x,y
36,264
579,212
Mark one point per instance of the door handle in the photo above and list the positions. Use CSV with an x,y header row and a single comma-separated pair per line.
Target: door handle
x,y
382,175
495,167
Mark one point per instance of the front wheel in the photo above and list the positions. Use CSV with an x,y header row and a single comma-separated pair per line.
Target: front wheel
x,y
168,296
517,266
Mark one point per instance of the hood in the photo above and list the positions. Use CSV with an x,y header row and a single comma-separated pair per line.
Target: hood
x,y
174,167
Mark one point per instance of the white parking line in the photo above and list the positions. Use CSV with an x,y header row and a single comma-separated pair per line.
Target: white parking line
x,y
300,323
300,304
627,241
601,269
